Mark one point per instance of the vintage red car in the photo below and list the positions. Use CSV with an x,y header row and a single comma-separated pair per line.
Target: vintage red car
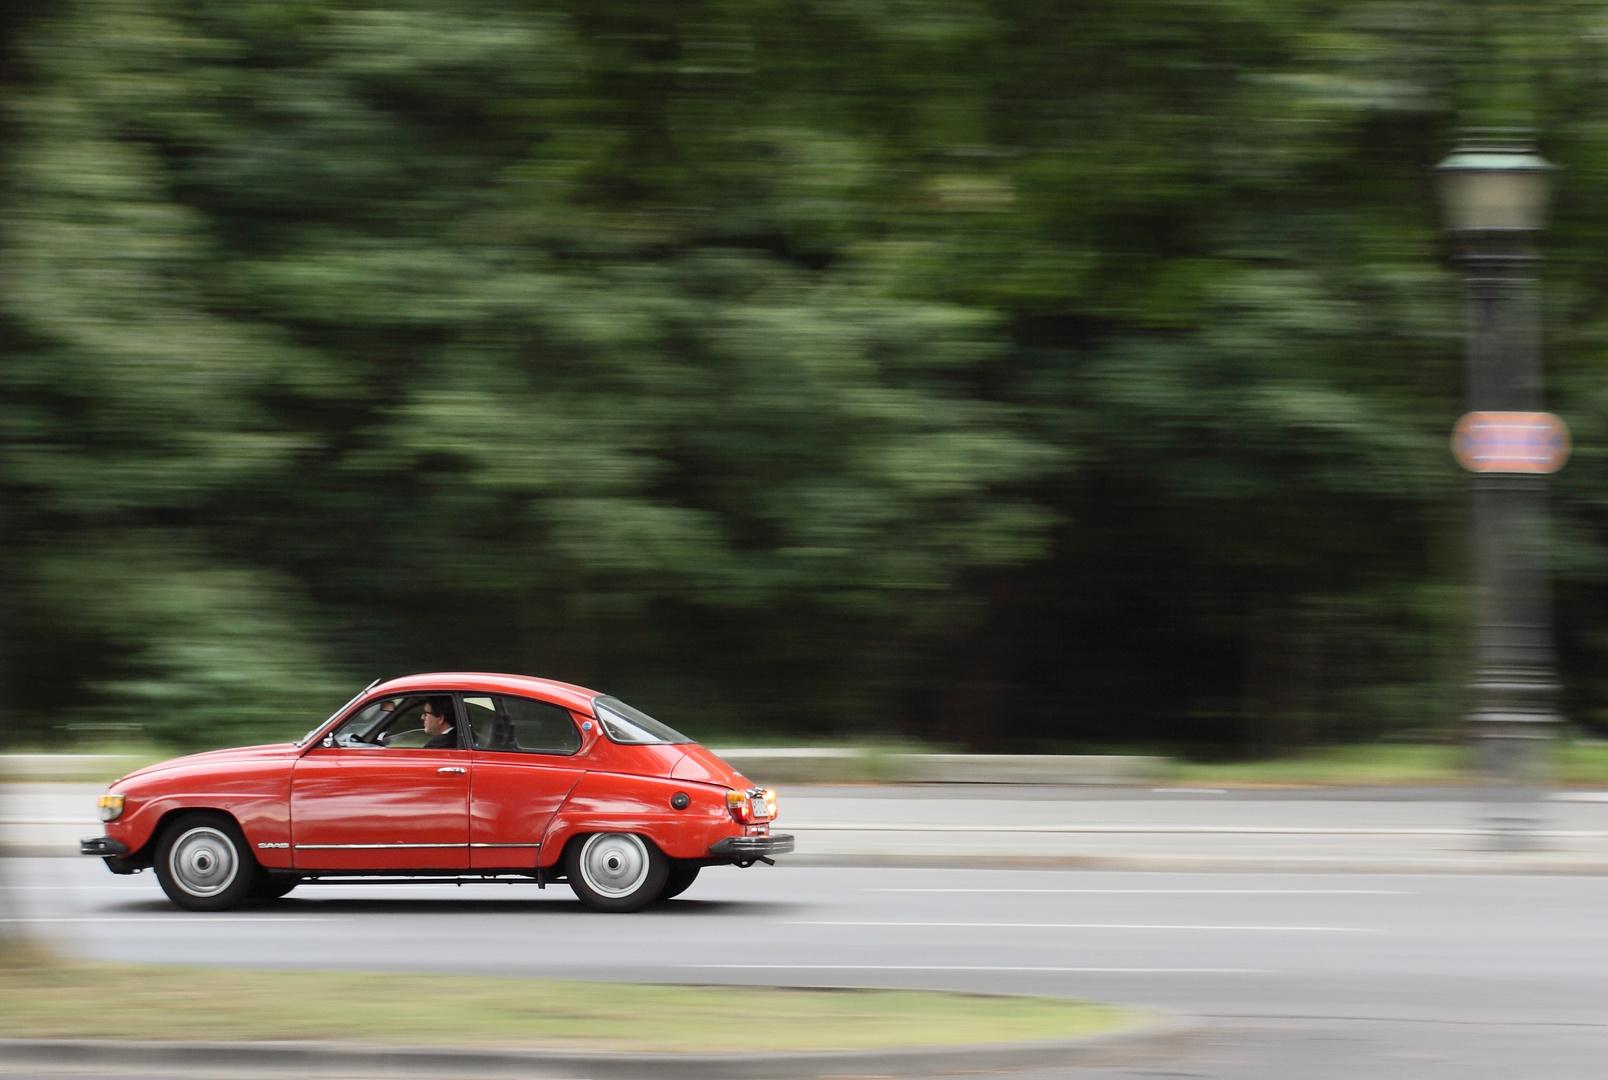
x,y
449,776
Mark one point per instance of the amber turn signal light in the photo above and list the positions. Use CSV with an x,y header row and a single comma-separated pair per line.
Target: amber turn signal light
x,y
110,807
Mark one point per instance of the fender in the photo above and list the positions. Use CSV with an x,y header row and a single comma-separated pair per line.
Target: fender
x,y
256,794
262,818
610,802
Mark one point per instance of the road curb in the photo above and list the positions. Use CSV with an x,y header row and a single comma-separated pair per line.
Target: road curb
x,y
1166,1036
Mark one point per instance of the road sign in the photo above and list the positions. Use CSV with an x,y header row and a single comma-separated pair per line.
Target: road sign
x,y
1511,442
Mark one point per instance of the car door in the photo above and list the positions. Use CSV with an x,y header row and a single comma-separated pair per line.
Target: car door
x,y
524,768
371,796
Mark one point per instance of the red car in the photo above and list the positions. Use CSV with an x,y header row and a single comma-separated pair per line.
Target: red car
x,y
447,777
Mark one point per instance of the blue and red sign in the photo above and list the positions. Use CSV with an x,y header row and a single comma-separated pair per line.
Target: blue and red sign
x,y
1511,442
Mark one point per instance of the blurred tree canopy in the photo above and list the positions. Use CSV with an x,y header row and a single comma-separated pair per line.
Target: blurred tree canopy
x,y
1006,373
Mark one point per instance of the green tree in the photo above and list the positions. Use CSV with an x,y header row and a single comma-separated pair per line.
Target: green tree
x,y
1004,372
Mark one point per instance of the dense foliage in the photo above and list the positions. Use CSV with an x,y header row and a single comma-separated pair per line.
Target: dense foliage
x,y
1002,372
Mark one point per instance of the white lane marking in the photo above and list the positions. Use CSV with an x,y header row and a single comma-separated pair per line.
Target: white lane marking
x,y
79,888
1182,830
87,822
1578,796
1080,926
175,920
1168,892
1230,830
978,967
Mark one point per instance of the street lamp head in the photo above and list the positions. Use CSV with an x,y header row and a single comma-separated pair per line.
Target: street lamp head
x,y
1496,189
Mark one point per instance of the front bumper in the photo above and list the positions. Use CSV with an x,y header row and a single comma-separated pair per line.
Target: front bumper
x,y
114,852
752,847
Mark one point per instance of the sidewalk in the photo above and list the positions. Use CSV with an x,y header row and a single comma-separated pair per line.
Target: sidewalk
x,y
1378,829
1381,829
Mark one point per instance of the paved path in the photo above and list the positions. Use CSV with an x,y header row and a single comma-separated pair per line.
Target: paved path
x,y
1310,975
1384,829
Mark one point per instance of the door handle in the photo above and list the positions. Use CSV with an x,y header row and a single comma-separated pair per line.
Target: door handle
x,y
452,768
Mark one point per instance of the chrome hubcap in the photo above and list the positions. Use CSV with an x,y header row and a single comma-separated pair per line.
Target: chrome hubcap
x,y
203,861
614,864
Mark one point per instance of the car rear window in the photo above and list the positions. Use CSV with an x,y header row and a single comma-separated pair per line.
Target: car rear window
x,y
623,724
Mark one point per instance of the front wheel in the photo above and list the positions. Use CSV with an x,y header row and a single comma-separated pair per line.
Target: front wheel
x,y
616,871
203,863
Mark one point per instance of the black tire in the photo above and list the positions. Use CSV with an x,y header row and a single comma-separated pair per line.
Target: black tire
x,y
615,871
682,875
204,864
273,886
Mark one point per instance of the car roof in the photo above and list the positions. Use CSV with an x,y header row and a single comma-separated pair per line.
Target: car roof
x,y
578,698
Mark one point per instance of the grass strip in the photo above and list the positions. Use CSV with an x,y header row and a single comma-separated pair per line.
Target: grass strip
x,y
1361,765
1570,762
53,1000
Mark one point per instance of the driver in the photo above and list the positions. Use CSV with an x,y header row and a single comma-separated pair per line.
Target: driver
x,y
438,725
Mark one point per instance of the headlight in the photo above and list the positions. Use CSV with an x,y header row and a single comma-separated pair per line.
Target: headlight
x,y
110,807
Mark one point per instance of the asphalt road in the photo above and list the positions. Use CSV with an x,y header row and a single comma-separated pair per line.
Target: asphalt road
x,y
1309,975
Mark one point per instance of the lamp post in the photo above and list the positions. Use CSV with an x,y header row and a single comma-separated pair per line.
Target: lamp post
x,y
1496,200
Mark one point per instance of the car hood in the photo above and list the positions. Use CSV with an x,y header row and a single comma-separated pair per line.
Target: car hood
x,y
702,766
216,757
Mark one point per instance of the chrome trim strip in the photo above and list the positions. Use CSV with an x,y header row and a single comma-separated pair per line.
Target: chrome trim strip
x,y
505,845
369,847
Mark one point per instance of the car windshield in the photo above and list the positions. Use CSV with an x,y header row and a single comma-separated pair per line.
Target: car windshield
x,y
303,740
624,724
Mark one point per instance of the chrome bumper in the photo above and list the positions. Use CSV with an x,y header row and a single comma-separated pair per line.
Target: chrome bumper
x,y
101,847
752,847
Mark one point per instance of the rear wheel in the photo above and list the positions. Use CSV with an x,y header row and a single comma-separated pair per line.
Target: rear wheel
x,y
682,875
615,871
203,863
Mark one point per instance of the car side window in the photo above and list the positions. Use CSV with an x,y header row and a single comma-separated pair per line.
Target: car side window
x,y
390,722
513,724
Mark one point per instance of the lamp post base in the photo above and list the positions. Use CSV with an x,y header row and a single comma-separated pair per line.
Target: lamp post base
x,y
1511,757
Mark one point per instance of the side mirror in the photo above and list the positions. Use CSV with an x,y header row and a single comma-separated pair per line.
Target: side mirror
x,y
329,740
